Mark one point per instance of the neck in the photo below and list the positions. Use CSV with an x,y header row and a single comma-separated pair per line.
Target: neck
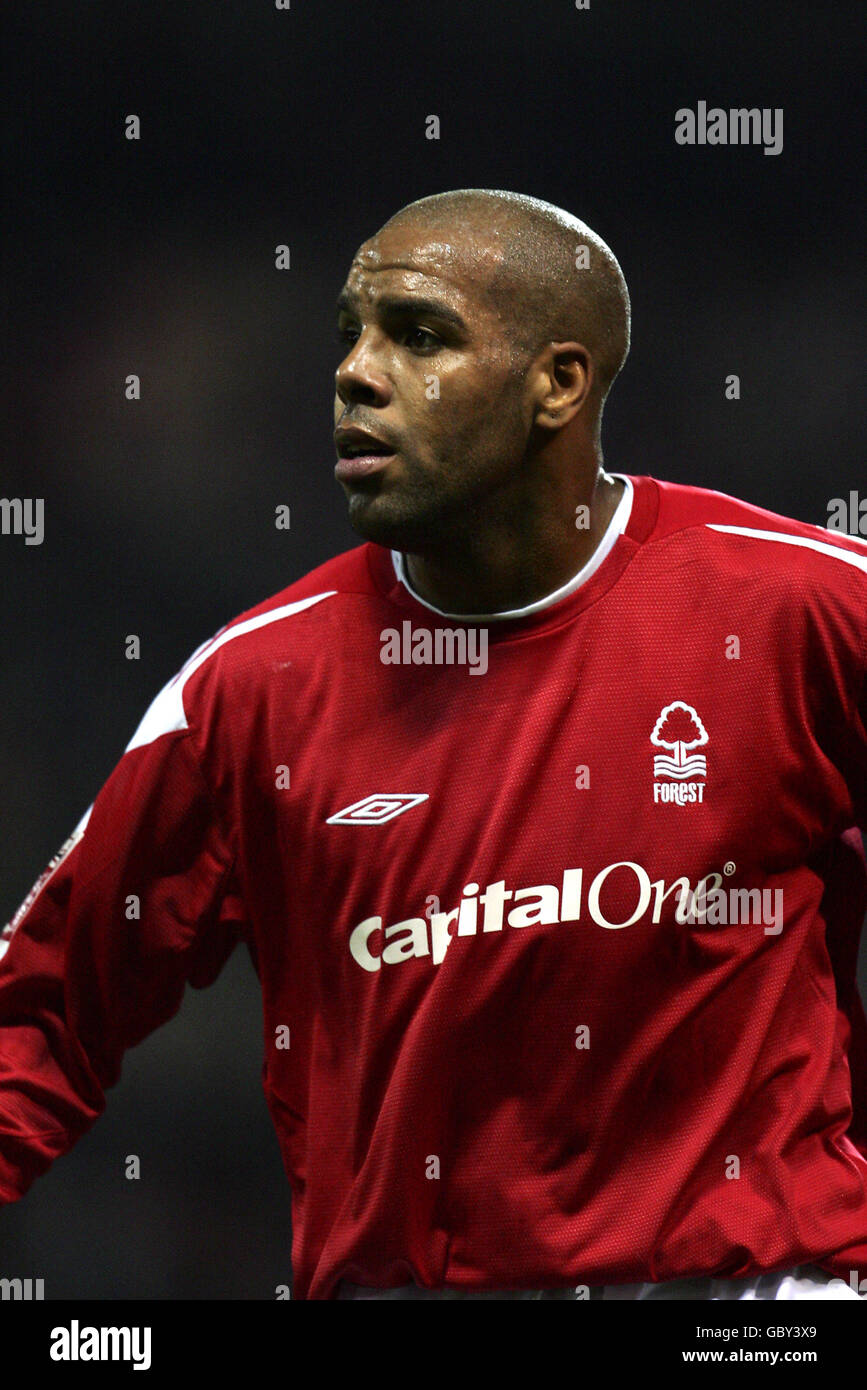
x,y
518,560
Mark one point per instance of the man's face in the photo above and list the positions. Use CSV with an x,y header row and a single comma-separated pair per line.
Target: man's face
x,y
427,372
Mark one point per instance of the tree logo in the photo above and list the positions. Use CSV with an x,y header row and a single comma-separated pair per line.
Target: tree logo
x,y
680,729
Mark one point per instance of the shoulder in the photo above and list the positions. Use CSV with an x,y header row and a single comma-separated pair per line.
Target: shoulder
x,y
800,589
295,626
721,530
334,591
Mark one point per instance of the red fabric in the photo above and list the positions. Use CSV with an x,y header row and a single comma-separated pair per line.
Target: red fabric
x,y
437,1120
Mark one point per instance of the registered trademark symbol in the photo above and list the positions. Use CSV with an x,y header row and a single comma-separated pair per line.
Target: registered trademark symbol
x,y
729,868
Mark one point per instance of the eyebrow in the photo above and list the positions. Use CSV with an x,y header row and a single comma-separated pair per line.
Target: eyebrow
x,y
391,304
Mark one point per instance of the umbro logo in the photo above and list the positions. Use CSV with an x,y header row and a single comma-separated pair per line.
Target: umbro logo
x,y
377,809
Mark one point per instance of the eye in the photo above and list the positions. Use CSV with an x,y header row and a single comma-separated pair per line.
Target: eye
x,y
426,333
412,336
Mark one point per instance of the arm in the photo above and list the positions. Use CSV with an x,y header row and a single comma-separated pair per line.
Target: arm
x,y
140,900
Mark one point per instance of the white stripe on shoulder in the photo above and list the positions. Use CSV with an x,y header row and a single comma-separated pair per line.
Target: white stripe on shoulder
x,y
166,712
836,552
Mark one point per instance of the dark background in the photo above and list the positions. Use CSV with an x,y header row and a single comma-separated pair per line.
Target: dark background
x,y
307,127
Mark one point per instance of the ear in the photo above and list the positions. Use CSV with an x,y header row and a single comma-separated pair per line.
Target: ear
x,y
563,376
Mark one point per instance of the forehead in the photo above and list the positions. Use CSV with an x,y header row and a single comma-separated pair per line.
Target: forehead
x,y
457,262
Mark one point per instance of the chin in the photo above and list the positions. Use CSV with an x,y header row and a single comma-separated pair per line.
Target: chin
x,y
374,519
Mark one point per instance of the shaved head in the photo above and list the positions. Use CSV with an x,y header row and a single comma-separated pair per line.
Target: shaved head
x,y
533,271
482,331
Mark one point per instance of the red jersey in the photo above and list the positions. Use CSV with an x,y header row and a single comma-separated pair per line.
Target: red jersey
x,y
555,913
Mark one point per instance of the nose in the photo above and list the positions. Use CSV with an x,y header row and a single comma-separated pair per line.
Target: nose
x,y
359,379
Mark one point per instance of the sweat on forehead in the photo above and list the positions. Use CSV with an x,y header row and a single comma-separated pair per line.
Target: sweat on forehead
x,y
450,253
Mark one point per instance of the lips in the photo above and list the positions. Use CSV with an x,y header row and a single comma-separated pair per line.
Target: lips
x,y
362,465
360,453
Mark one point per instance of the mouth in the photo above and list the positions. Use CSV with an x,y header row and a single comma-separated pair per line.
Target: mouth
x,y
361,460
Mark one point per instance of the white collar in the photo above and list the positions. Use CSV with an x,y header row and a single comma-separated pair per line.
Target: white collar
x,y
615,528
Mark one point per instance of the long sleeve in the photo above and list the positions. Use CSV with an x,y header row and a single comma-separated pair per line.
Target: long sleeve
x,y
140,900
